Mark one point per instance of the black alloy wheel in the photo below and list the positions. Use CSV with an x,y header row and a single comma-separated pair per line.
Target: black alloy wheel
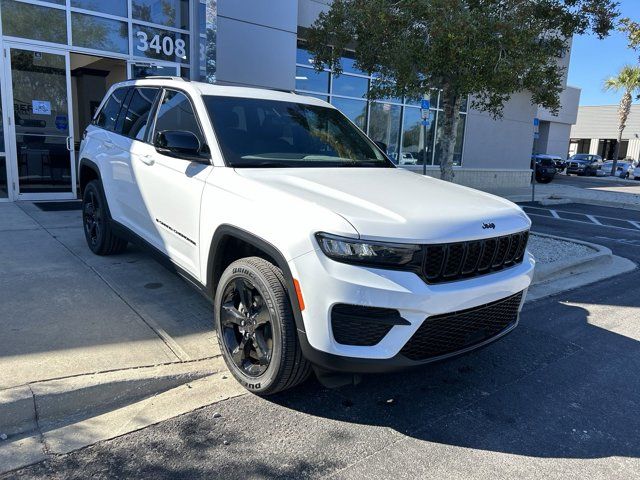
x,y
247,329
256,328
93,218
101,239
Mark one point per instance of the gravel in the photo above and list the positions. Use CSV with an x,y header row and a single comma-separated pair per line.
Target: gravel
x,y
549,250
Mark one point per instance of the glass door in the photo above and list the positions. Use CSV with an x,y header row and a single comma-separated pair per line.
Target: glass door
x,y
42,126
4,177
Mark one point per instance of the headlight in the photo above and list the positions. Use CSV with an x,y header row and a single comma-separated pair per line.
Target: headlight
x,y
367,253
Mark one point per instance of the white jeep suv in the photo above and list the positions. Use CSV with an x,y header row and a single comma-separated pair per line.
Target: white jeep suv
x,y
313,247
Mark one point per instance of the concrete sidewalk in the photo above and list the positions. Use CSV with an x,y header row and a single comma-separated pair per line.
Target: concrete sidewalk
x,y
603,191
65,312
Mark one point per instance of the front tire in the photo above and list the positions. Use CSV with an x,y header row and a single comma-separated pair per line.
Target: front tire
x,y
255,328
95,218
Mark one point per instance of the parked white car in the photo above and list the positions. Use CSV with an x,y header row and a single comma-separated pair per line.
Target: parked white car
x,y
624,169
313,247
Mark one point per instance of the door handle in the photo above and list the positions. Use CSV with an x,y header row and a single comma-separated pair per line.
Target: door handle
x,y
147,159
68,142
108,143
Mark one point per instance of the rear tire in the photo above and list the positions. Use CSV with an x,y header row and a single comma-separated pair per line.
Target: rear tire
x,y
259,343
95,218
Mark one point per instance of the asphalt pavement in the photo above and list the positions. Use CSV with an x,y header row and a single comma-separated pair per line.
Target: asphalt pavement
x,y
557,398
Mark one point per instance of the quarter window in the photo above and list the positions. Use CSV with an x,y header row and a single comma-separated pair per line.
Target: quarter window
x,y
137,117
176,113
109,114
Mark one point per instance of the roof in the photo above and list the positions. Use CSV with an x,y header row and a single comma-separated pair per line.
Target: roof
x,y
227,90
602,122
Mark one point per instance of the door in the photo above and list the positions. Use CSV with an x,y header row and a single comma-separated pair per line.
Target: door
x,y
40,122
172,187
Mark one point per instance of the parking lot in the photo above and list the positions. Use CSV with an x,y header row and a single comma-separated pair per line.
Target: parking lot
x,y
554,399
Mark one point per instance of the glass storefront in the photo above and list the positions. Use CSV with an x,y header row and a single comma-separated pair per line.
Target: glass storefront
x,y
62,56
153,32
396,122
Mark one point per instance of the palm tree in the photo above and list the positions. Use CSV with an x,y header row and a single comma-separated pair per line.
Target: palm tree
x,y
628,80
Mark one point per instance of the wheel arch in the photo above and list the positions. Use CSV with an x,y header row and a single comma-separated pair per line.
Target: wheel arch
x,y
88,171
221,254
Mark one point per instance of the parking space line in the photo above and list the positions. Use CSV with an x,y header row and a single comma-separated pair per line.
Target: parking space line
x,y
635,224
593,219
525,207
584,223
554,214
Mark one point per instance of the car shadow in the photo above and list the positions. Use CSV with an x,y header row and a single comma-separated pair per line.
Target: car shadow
x,y
557,387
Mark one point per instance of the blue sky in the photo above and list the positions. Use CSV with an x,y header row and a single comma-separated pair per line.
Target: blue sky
x,y
593,60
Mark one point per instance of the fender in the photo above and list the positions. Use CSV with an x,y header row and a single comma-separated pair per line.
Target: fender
x,y
226,230
90,164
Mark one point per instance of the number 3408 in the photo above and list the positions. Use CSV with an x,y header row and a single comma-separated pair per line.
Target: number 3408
x,y
166,45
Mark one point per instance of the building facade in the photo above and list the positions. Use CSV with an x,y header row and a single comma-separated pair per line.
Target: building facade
x,y
596,132
61,56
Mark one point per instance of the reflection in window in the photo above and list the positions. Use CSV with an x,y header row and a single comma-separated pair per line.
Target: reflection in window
x,y
457,151
34,22
350,86
303,56
309,79
140,71
109,114
208,45
99,33
4,191
384,126
176,113
355,110
135,121
170,13
112,7
413,138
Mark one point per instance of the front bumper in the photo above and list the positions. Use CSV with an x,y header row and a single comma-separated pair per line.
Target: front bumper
x,y
325,283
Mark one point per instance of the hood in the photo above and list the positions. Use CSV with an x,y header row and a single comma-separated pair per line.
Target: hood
x,y
393,204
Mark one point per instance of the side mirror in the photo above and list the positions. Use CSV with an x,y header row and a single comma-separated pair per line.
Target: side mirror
x,y
179,143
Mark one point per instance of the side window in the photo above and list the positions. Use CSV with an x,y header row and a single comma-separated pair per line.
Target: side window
x,y
137,116
109,114
176,113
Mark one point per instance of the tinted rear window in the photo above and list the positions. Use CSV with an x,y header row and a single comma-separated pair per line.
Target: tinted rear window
x,y
109,114
137,116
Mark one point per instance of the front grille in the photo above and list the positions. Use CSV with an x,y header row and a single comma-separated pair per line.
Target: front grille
x,y
362,326
454,261
444,334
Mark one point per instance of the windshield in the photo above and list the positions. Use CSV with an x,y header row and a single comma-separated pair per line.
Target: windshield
x,y
269,133
547,162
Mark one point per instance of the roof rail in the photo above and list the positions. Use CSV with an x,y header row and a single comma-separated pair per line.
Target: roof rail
x,y
162,77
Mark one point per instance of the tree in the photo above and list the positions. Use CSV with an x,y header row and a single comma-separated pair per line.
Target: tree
x,y
632,30
627,80
485,49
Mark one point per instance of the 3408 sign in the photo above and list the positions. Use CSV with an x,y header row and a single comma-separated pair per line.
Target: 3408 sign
x,y
161,45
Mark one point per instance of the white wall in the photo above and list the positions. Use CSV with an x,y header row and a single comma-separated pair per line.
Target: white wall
x,y
256,42
504,143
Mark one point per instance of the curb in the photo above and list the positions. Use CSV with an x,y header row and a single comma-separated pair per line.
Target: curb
x,y
555,270
49,404
38,446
